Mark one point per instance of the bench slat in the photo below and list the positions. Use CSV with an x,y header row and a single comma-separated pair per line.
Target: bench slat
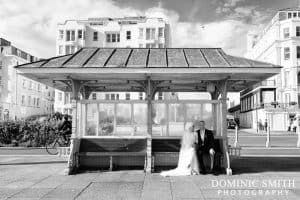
x,y
112,154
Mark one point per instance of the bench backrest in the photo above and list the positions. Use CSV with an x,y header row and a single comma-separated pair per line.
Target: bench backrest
x,y
173,145
112,145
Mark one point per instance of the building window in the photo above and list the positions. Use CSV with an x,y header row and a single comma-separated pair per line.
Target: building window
x,y
148,33
23,100
70,49
1,64
61,34
141,33
30,85
140,45
128,35
112,97
286,53
287,98
39,87
94,96
161,45
106,96
297,31
286,78
160,32
60,49
108,37
34,101
70,35
289,15
24,83
286,33
160,96
152,45
80,34
113,37
59,96
127,96
140,96
95,36
148,45
298,52
29,100
294,14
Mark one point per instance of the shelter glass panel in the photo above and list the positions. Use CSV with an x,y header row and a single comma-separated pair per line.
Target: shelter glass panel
x,y
106,119
91,120
176,119
124,122
159,121
140,119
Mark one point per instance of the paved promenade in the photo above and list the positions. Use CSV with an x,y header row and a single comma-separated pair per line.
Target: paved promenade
x,y
43,178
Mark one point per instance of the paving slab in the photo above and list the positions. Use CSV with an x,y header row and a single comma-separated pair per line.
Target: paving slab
x,y
31,193
59,193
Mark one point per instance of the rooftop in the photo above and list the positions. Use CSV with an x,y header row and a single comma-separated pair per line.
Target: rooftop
x,y
188,66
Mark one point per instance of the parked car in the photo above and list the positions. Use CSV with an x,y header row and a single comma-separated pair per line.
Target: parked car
x,y
230,122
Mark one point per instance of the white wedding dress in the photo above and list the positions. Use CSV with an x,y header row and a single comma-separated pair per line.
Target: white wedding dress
x,y
187,162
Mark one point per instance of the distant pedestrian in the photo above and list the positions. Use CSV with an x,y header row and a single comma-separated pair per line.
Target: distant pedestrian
x,y
266,125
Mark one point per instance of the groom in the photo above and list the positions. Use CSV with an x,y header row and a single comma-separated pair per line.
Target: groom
x,y
205,145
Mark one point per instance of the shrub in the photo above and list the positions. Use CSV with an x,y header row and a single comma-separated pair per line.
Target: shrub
x,y
27,133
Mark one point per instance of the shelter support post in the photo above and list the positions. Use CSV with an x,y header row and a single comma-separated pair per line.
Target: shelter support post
x,y
268,144
150,92
223,91
74,145
236,138
298,129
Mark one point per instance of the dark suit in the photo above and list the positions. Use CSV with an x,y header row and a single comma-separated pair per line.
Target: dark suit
x,y
203,147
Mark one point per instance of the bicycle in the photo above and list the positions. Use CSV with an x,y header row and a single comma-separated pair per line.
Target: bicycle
x,y
57,140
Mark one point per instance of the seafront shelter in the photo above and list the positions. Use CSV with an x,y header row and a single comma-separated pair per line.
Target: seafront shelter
x,y
140,132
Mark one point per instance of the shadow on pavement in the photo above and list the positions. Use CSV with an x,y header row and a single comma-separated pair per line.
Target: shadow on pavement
x,y
33,163
265,164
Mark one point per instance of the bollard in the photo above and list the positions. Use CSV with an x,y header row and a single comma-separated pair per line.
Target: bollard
x,y
298,133
236,141
268,137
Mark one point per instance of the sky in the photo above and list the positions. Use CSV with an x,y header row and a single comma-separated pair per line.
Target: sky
x,y
31,24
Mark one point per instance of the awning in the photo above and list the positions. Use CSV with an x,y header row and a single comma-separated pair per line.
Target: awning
x,y
178,69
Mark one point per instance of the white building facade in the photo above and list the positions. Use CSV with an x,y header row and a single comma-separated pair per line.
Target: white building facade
x,y
277,43
20,97
139,32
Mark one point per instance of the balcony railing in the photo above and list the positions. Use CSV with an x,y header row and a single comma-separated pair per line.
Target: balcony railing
x,y
281,106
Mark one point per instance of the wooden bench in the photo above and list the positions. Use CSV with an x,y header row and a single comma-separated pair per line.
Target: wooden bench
x,y
166,150
112,147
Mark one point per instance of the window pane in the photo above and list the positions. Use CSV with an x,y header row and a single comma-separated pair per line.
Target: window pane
x,y
159,119
91,119
207,116
176,119
140,119
148,34
106,119
124,119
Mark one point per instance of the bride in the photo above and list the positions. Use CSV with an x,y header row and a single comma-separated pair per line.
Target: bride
x,y
187,162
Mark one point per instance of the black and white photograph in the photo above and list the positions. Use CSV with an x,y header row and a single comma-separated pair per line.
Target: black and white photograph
x,y
149,99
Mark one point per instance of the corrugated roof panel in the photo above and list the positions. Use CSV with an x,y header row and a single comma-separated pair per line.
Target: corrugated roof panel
x,y
34,64
195,58
157,58
214,58
176,58
119,58
57,62
81,57
138,58
99,59
234,61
